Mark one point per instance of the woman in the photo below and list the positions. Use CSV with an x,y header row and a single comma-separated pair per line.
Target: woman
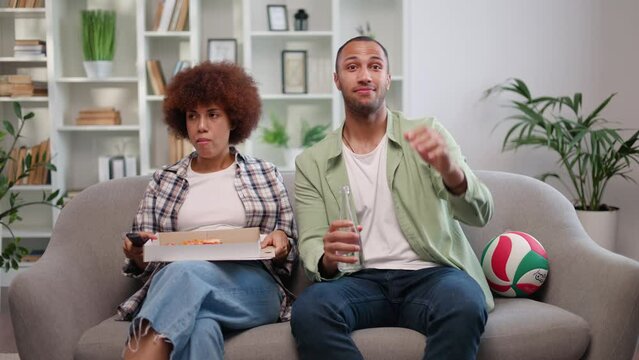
x,y
185,307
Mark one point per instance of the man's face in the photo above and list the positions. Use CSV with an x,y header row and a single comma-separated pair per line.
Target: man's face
x,y
362,76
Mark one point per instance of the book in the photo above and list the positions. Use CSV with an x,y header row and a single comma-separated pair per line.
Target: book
x,y
99,115
19,79
96,109
156,77
45,157
157,15
175,15
98,121
22,154
184,15
167,14
35,163
12,165
25,42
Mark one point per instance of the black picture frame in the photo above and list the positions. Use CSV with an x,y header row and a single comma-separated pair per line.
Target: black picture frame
x,y
277,17
294,72
222,50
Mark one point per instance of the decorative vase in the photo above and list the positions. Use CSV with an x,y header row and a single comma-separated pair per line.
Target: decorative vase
x,y
98,69
601,226
290,155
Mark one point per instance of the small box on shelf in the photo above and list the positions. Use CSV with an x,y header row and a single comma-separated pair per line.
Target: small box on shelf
x,y
115,167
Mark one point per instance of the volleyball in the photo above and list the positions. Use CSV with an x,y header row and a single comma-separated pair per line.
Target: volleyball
x,y
515,264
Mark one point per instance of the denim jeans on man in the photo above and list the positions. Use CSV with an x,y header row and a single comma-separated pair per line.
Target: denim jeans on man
x,y
192,303
443,303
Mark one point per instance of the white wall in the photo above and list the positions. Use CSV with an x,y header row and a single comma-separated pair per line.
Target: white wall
x,y
459,48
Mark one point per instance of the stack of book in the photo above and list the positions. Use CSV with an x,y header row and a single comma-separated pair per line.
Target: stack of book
x,y
21,85
38,174
98,116
156,77
171,15
29,48
25,3
178,148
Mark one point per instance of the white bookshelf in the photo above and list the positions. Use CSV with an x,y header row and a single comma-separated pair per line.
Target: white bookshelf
x,y
331,23
142,133
35,229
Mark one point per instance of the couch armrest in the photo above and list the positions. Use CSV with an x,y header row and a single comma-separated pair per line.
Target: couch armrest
x,y
77,283
584,278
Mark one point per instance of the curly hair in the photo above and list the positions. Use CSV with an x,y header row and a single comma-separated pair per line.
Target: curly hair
x,y
221,83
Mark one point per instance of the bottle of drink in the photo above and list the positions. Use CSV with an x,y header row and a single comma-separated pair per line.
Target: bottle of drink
x,y
346,213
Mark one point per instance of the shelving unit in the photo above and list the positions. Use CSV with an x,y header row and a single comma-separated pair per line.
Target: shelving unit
x,y
331,23
142,133
25,23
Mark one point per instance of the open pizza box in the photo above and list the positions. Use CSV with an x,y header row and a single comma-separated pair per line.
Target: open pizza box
x,y
236,244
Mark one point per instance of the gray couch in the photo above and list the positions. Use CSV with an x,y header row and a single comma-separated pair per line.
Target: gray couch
x,y
63,307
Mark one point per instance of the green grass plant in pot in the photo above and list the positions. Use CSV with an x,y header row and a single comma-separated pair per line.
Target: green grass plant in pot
x,y
590,150
98,42
13,252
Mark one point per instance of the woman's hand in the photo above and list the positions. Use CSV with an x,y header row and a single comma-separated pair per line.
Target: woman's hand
x,y
279,240
136,253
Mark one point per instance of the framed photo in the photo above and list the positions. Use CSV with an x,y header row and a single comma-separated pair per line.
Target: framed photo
x,y
294,72
222,50
277,17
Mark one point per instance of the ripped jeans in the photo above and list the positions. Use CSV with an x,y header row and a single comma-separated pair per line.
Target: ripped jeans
x,y
192,303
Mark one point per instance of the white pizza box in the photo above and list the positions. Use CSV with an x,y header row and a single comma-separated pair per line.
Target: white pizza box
x,y
237,244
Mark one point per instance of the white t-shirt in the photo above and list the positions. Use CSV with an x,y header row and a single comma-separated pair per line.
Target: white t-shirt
x,y
211,202
383,243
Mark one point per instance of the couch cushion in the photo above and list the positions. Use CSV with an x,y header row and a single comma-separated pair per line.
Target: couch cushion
x,y
528,329
516,329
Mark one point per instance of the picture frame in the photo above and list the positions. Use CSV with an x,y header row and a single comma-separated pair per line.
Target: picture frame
x,y
294,72
222,50
277,17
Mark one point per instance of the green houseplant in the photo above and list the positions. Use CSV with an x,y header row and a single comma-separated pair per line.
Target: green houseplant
x,y
98,42
590,150
13,252
277,135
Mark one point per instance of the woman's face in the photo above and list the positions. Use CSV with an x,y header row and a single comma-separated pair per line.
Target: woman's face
x,y
209,128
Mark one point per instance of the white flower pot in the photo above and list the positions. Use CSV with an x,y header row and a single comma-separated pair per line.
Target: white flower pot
x,y
601,226
98,69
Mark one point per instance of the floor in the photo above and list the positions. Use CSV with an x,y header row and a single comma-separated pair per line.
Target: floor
x,y
7,340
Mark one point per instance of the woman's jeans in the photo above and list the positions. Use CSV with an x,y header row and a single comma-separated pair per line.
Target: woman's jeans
x,y
443,303
191,303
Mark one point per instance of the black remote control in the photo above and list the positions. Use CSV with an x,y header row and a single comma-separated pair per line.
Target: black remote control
x,y
136,239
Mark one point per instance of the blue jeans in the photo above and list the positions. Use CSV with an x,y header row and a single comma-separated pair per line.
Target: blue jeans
x,y
192,303
443,303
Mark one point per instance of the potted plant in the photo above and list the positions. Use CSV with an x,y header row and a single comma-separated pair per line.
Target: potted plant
x,y
590,151
98,42
278,136
13,252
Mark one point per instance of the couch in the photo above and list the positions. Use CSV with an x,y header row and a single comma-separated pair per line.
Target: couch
x,y
63,307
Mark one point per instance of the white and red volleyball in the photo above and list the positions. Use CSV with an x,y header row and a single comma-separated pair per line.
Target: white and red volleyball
x,y
515,264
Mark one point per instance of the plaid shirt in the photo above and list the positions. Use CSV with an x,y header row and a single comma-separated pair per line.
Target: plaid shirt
x,y
261,190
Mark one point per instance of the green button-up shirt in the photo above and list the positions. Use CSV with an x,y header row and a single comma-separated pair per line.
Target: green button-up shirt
x,y
427,213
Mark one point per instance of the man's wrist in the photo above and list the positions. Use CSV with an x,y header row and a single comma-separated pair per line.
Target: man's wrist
x,y
324,270
456,183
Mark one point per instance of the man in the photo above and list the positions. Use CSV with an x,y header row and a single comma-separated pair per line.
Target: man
x,y
410,188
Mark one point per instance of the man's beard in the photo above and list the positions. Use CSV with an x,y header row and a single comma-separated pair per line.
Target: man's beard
x,y
363,109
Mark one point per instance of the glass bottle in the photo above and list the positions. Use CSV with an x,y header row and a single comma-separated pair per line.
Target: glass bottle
x,y
346,213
